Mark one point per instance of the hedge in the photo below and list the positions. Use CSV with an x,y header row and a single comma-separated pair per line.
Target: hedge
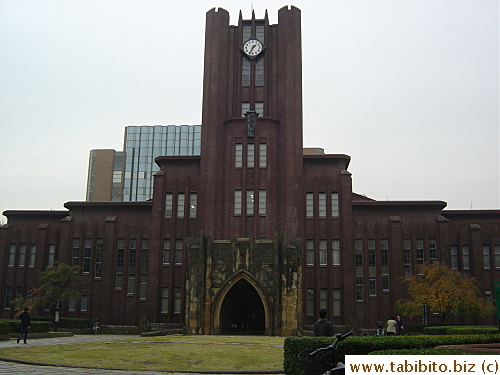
x,y
35,327
427,351
366,344
465,330
66,322
4,329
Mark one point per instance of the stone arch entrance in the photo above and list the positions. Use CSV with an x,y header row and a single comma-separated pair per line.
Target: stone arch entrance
x,y
241,299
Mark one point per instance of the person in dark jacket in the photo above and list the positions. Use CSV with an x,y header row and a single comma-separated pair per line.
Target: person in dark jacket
x,y
25,325
323,327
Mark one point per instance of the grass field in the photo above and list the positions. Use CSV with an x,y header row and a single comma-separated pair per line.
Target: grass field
x,y
174,353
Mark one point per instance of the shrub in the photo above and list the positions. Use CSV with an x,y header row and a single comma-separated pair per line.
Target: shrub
x,y
35,327
426,351
4,329
66,322
464,330
367,344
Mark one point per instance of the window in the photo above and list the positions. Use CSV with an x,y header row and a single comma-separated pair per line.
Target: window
x,y
143,282
262,202
323,298
178,252
465,257
322,253
384,253
166,251
98,257
335,204
120,254
454,257
432,249
310,253
12,254
488,295
238,156
86,255
245,73
263,155
250,155
358,247
486,257
22,255
309,205
245,107
131,266
8,296
250,200
259,75
71,304
336,301
164,300
496,250
76,252
371,253
237,202
52,253
420,251
372,286
177,300
259,106
181,199
322,204
359,289
336,252
193,203
169,204
84,302
407,257
385,282
311,310
31,260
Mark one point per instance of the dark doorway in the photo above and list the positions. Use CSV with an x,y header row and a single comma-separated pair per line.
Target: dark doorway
x,y
242,311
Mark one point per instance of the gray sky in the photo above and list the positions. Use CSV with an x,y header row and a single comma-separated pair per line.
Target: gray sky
x,y
408,89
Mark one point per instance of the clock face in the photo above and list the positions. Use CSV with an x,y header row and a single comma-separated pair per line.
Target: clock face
x,y
252,47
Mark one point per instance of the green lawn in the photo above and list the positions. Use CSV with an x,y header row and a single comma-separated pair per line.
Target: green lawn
x,y
179,353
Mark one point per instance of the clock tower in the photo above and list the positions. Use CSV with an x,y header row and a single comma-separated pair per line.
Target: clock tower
x,y
250,185
252,125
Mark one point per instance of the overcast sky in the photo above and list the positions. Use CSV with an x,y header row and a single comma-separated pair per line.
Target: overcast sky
x,y
408,89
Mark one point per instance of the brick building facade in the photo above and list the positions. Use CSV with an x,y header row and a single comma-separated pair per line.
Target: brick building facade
x,y
252,226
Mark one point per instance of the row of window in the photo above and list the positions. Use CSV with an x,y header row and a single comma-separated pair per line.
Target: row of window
x,y
27,254
186,205
258,107
464,255
122,256
256,155
254,202
322,205
323,301
258,66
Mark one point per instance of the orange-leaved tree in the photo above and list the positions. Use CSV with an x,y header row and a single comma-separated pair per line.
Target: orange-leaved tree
x,y
444,290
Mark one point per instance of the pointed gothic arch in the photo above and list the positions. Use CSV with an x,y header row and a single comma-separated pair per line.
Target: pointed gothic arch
x,y
241,277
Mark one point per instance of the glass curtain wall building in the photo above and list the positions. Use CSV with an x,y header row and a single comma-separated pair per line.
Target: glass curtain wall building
x,y
128,175
143,144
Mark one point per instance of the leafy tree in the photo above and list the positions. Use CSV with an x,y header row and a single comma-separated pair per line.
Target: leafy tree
x,y
55,284
444,291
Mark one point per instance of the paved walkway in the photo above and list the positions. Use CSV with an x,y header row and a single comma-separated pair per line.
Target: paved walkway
x,y
18,368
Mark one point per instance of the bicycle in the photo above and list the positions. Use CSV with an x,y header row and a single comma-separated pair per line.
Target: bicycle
x,y
323,360
96,327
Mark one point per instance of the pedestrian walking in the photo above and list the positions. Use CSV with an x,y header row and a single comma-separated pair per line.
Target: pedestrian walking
x,y
391,327
25,318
